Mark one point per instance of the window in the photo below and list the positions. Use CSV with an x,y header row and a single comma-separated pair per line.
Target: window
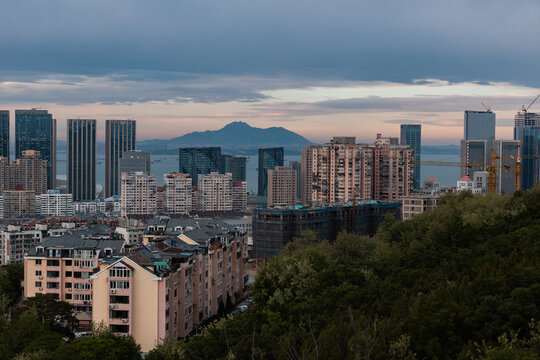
x,y
38,262
53,262
53,274
68,296
119,272
83,286
81,275
83,297
69,274
68,262
38,273
38,283
85,263
119,284
53,285
85,254
67,285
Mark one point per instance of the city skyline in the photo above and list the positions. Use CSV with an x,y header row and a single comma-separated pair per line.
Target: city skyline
x,y
195,67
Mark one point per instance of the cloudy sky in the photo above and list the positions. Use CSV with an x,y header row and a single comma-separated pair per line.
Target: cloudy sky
x,y
320,68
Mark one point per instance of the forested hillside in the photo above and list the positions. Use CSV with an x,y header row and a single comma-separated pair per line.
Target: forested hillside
x,y
461,282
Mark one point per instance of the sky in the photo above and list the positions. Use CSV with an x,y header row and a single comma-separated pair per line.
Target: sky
x,y
319,68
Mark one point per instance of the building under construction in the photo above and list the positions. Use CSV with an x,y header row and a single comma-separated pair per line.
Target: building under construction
x,y
275,227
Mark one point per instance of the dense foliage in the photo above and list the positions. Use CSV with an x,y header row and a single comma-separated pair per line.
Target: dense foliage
x,y
461,282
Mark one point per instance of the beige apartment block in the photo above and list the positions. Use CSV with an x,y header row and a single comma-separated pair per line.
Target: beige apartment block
x,y
177,187
282,186
138,194
413,205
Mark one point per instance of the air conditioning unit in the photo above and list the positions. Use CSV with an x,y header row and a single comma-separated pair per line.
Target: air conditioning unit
x,y
40,277
125,320
113,291
69,289
40,289
111,306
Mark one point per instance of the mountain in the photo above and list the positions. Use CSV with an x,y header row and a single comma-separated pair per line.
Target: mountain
x,y
234,137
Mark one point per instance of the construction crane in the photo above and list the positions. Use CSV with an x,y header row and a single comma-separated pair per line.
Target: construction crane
x,y
524,109
488,108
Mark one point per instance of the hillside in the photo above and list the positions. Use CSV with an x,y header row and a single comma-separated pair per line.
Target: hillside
x,y
461,282
232,137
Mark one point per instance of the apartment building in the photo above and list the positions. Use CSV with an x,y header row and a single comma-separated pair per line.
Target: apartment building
x,y
138,194
19,204
215,192
177,196
282,186
15,242
29,172
53,203
239,195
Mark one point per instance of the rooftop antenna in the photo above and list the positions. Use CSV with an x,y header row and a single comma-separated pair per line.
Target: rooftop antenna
x,y
488,109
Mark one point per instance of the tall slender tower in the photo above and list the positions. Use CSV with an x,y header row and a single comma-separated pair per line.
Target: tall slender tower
x,y
36,130
81,159
4,133
268,159
119,137
411,135
480,125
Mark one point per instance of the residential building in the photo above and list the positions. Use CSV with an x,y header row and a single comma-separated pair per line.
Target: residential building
x,y
161,204
135,161
53,203
19,204
506,152
15,242
36,130
236,165
342,171
239,196
177,193
282,186
269,158
416,204
109,206
29,172
411,135
273,228
131,234
120,136
474,152
480,125
138,194
215,192
199,160
477,186
4,134
297,166
81,159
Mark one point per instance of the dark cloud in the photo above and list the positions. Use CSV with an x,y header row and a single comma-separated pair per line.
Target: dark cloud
x,y
344,39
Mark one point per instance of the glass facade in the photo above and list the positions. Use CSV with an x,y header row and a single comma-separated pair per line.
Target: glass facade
x,y
480,125
411,135
119,138
269,158
473,152
530,168
236,165
507,151
81,159
4,133
36,130
203,160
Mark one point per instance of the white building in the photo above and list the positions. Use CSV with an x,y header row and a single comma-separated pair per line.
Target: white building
x,y
138,194
53,203
14,243
178,188
131,235
478,186
215,192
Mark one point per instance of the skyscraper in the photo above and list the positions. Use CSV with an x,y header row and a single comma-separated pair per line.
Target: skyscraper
x,y
134,161
473,151
36,130
119,137
81,159
524,118
4,133
411,135
506,151
201,160
480,125
530,168
269,158
236,165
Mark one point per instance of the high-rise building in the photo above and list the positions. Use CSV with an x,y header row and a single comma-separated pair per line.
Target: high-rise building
x,y
297,166
53,203
530,146
480,125
177,196
36,130
239,195
343,172
215,192
474,152
524,118
269,158
135,161
138,194
282,186
29,172
19,204
236,165
506,151
81,159
201,160
120,136
411,135
4,133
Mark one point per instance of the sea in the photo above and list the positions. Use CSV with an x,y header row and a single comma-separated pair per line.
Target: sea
x,y
163,164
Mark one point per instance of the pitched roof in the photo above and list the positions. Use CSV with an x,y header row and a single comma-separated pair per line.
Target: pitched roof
x,y
431,179
465,178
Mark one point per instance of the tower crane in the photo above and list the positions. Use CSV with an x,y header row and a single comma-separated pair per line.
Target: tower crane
x,y
524,109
